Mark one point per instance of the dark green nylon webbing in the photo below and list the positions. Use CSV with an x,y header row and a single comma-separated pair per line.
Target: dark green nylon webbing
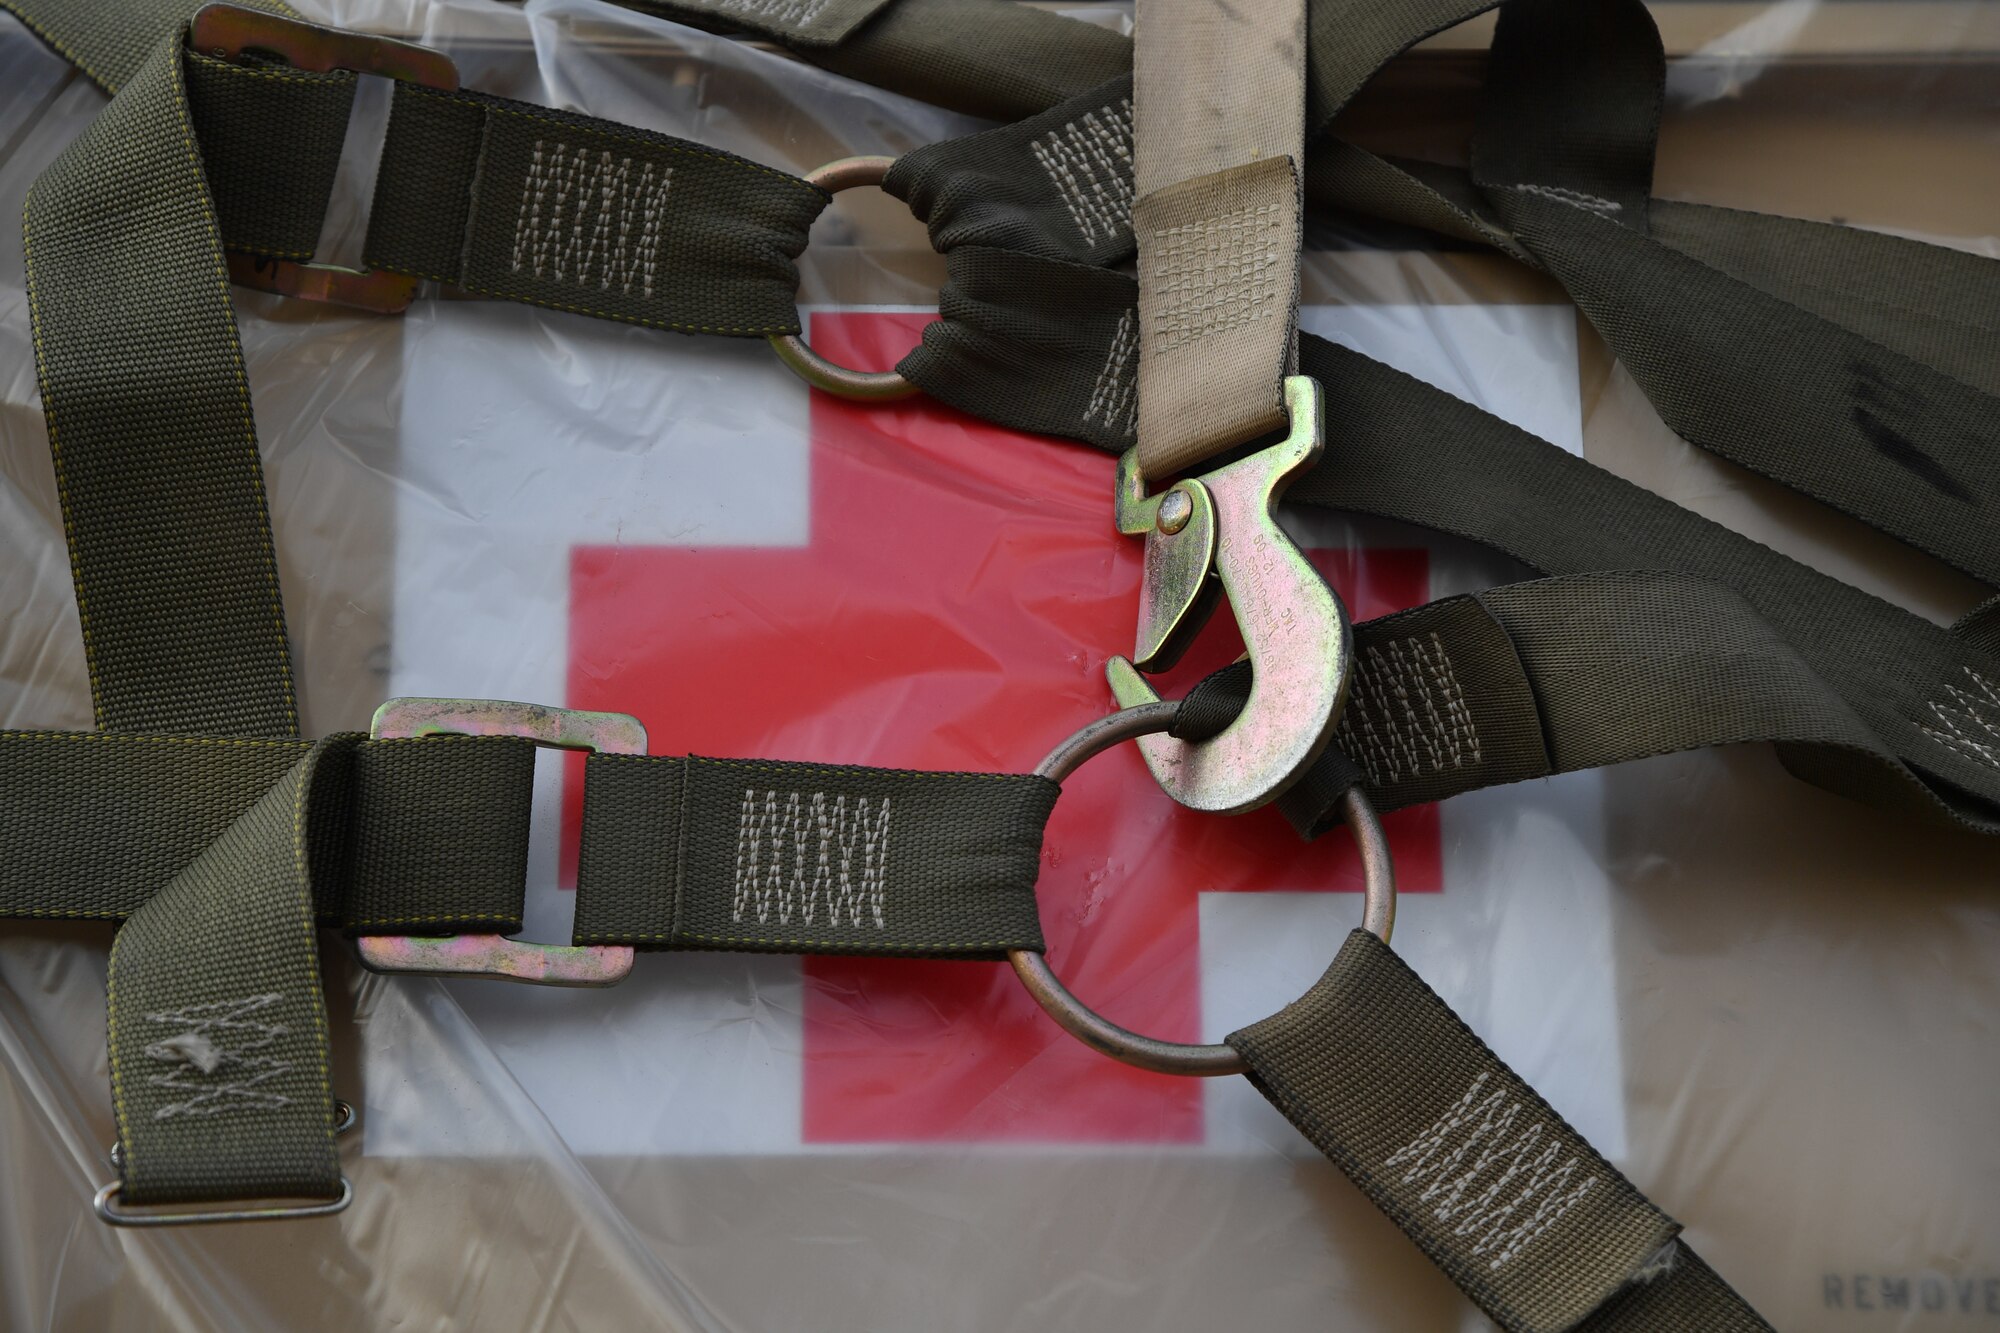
x,y
805,858
1856,368
1565,153
217,1027
149,423
508,200
991,58
220,1073
581,214
429,836
1861,673
419,835
1516,1208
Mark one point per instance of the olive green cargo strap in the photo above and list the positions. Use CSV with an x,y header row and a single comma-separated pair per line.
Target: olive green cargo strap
x,y
1795,391
216,1023
1859,369
991,58
429,836
1916,698
1489,1181
807,858
419,835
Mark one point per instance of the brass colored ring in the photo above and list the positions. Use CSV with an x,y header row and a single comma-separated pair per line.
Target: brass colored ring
x,y
1378,913
875,386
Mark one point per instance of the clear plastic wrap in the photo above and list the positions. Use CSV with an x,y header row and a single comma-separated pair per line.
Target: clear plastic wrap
x,y
1774,1009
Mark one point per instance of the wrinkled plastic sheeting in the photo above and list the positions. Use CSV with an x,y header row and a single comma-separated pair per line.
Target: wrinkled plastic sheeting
x,y
1772,1008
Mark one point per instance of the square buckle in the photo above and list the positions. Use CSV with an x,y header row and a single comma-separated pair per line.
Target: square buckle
x,y
226,32
496,956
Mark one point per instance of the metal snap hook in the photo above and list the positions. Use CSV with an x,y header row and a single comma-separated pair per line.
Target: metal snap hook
x,y
878,386
1219,532
1378,912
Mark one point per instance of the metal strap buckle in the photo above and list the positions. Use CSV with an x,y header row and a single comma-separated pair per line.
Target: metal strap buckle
x,y
496,956
1219,532
227,33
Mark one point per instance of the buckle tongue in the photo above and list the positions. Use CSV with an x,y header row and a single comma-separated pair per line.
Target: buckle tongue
x,y
1219,533
496,956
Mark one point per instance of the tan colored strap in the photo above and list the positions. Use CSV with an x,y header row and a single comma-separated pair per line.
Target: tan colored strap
x,y
1219,130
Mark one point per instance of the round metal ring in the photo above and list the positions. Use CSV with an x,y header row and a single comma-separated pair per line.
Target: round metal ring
x,y
878,386
1378,913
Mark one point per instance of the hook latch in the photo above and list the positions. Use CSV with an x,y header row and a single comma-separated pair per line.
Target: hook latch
x,y
1219,533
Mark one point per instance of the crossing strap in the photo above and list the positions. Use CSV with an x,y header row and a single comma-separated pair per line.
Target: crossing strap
x,y
1491,1183
1864,698
220,1073
1856,368
1786,387
422,835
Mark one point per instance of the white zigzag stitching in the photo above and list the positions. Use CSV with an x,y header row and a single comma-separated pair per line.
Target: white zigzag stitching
x,y
1497,1222
582,216
1111,398
767,880
217,1038
1970,721
1090,162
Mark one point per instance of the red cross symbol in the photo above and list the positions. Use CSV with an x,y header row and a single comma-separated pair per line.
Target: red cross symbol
x,y
960,593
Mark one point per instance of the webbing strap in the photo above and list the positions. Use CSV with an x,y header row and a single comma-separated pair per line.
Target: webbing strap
x,y
217,1027
1516,1208
512,201
219,1068
422,835
429,836
991,58
521,203
1854,367
1218,137
807,858
801,23
1565,153
1917,699
149,422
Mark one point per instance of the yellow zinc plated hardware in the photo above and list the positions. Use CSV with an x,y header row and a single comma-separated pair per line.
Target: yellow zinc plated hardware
x,y
1219,533
495,956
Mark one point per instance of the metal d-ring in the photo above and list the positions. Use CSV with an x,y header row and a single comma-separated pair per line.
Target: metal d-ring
x,y
1378,913
876,386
